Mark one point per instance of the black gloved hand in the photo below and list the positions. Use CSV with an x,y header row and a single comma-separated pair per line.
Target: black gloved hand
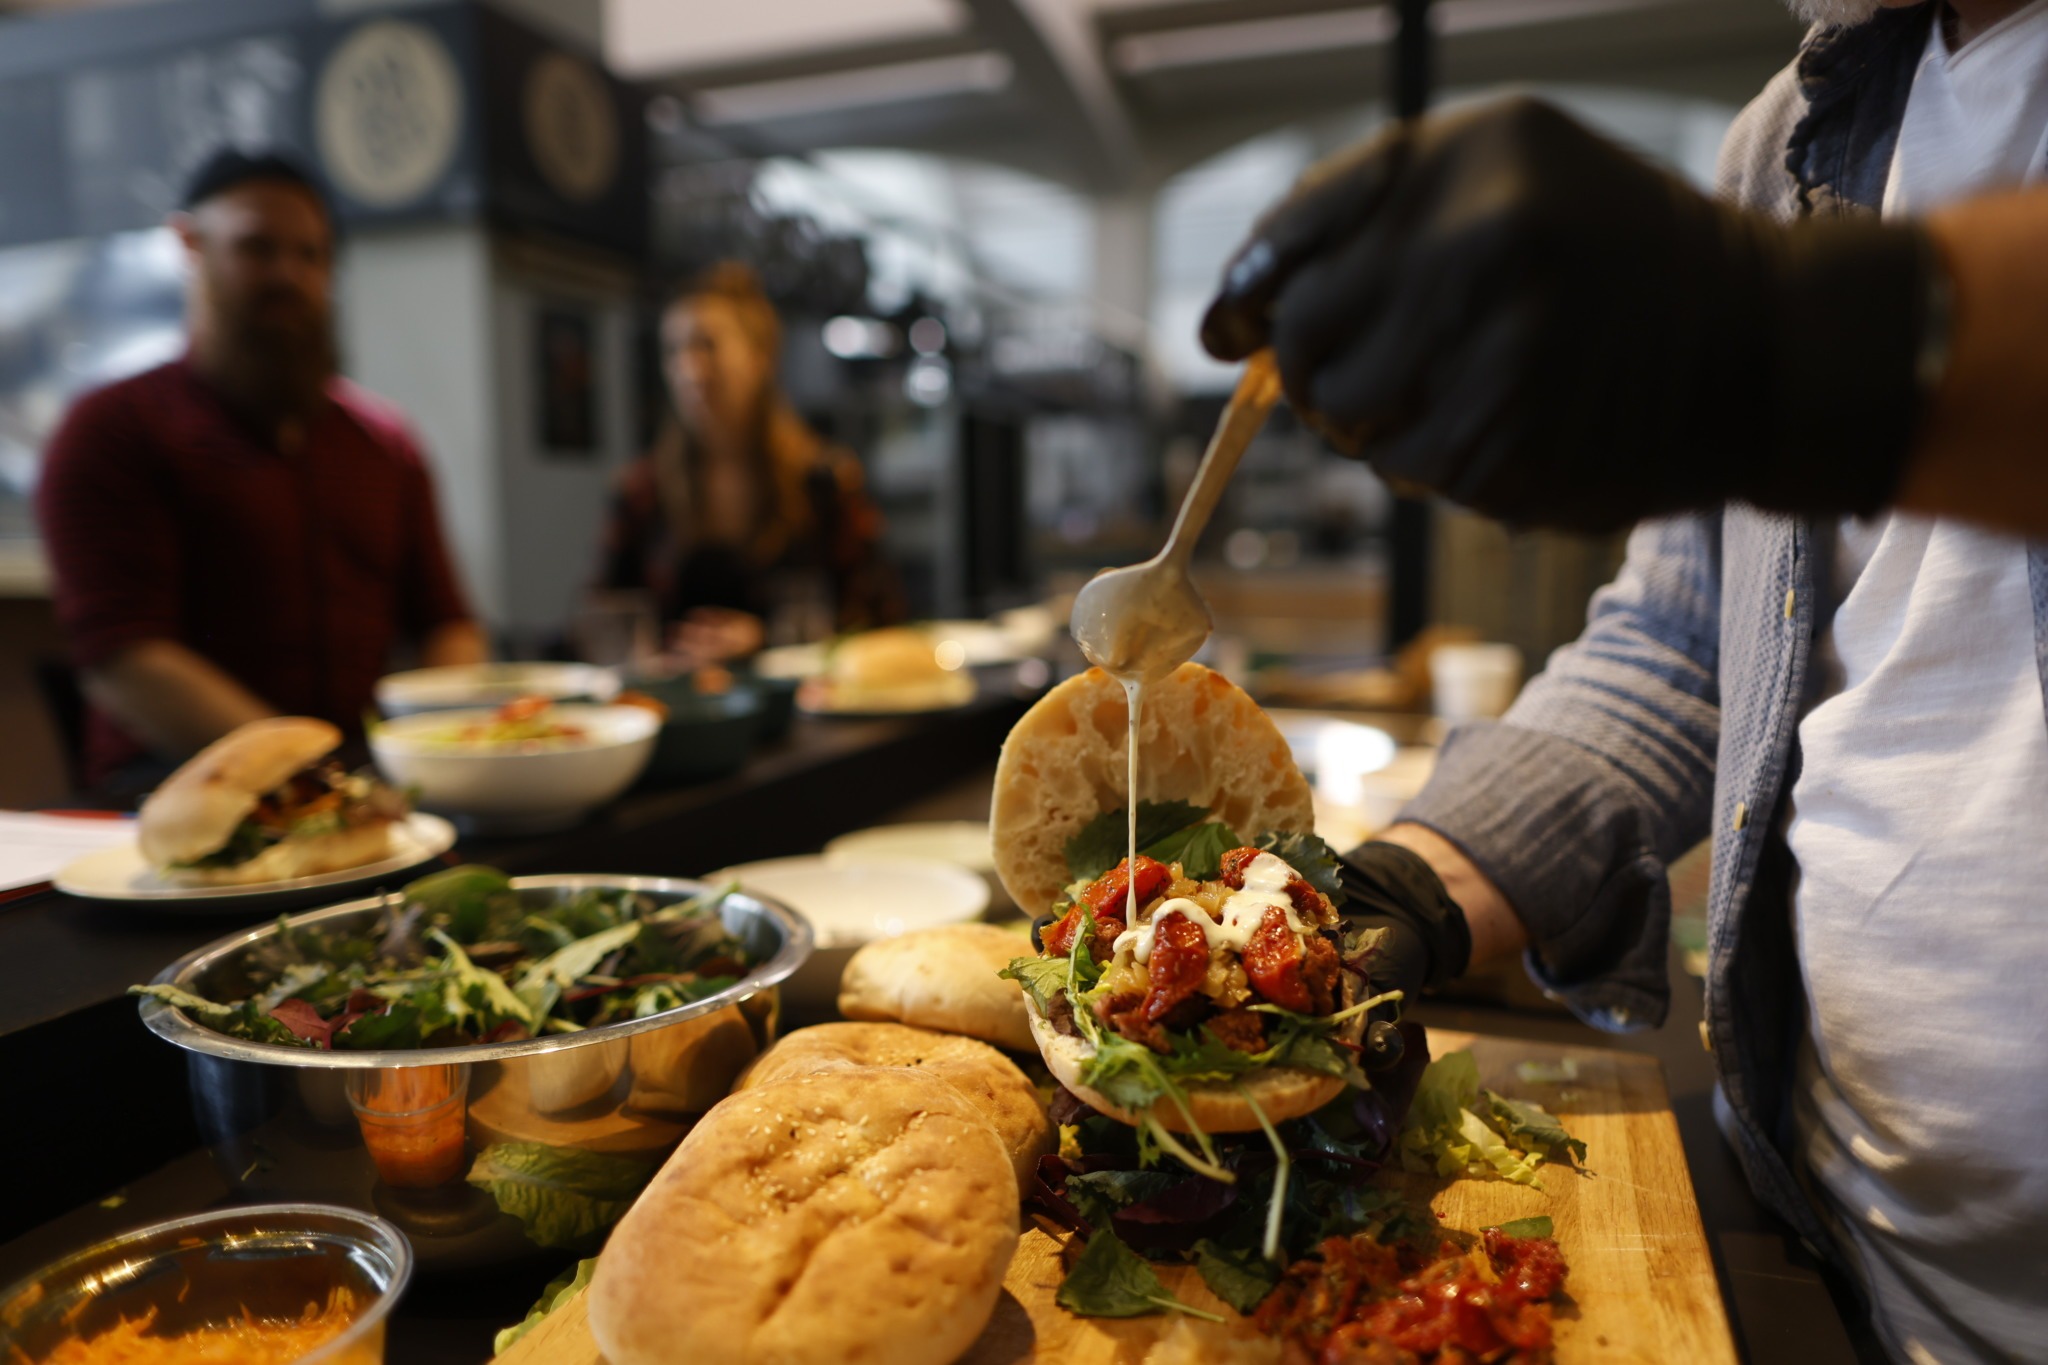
x,y
1428,942
1500,306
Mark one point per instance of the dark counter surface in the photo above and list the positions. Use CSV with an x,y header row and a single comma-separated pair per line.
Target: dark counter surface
x,y
59,954
132,1146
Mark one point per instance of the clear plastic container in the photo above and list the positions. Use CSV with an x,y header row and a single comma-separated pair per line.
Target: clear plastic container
x,y
268,1262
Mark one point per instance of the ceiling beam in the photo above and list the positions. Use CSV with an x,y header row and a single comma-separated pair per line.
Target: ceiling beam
x,y
1058,63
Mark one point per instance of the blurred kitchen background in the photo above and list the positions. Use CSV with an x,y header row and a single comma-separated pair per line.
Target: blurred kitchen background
x,y
990,226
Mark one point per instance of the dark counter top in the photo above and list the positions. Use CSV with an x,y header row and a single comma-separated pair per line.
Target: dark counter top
x,y
59,954
139,1150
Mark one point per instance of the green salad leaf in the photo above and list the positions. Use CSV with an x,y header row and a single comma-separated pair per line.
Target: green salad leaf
x,y
1041,977
559,1291
1315,860
1537,1130
1240,1276
1097,1195
246,1019
1109,1280
1199,849
1454,1128
564,1196
1539,1226
1104,842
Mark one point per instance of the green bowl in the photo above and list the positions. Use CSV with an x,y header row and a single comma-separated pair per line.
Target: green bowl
x,y
707,735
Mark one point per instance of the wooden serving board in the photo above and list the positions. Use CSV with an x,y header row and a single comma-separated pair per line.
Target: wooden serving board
x,y
1641,1285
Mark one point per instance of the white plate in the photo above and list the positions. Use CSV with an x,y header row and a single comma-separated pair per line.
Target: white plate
x,y
960,843
121,874
853,903
850,903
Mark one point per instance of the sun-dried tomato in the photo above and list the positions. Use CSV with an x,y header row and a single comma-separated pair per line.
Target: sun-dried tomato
x,y
1273,963
1109,894
1179,961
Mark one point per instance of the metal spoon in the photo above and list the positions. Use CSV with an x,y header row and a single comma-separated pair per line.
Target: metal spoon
x,y
1144,621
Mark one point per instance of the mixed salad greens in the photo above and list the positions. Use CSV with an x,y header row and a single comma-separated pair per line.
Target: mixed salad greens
x,y
459,957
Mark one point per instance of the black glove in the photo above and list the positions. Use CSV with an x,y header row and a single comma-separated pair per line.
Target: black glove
x,y
1427,943
1502,307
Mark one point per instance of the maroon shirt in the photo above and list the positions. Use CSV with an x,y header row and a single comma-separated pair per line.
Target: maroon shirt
x,y
167,518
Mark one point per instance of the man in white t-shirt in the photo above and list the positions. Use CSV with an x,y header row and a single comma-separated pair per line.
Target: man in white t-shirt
x,y
1852,706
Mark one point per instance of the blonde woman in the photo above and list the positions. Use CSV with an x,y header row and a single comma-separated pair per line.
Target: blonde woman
x,y
740,513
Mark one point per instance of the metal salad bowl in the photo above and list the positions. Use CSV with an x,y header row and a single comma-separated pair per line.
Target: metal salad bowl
x,y
488,1152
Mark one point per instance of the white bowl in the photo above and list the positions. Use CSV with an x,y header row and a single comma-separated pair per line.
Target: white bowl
x,y
513,788
852,902
460,685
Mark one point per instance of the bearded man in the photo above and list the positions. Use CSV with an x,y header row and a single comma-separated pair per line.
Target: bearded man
x,y
1817,653
242,533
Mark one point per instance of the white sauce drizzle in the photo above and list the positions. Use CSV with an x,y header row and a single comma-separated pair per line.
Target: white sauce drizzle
x,y
1265,888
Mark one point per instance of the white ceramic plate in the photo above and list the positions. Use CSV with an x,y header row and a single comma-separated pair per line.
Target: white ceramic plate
x,y
960,843
121,874
852,903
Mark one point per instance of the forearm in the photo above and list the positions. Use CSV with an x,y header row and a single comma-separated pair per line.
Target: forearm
x,y
1980,454
457,642
1496,930
170,698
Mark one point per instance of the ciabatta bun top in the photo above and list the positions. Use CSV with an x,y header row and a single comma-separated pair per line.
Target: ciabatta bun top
x,y
197,808
1200,740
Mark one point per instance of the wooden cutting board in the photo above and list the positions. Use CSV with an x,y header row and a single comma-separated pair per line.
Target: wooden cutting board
x,y
1641,1284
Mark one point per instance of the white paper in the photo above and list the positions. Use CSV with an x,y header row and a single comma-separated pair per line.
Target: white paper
x,y
35,848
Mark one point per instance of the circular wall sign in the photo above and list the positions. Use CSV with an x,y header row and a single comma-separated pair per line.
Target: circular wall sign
x,y
572,127
389,113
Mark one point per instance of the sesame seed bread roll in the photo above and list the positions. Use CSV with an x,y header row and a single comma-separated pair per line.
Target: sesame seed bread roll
x,y
943,978
1200,740
991,1082
864,1215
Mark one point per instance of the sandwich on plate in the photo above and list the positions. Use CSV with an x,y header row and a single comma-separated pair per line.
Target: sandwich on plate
x,y
266,803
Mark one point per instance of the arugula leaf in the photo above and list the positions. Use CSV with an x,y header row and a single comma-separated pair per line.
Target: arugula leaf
x,y
1536,1130
1315,860
559,1291
1239,1276
1041,977
564,1196
1199,849
1104,842
1539,1226
1109,1280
